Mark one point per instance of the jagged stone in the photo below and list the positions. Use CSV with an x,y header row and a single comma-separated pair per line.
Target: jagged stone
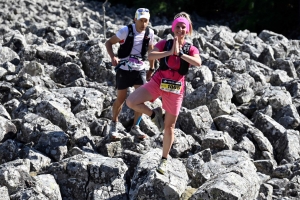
x,y
146,180
228,176
57,88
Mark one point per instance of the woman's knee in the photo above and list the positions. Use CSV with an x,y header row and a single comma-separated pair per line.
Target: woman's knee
x,y
129,102
169,130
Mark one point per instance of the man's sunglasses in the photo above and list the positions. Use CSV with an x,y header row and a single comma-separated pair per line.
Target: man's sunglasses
x,y
143,10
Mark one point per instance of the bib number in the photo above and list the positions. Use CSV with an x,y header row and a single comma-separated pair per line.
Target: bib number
x,y
170,86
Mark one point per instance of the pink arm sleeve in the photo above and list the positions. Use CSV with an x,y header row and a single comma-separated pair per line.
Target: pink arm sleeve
x,y
193,50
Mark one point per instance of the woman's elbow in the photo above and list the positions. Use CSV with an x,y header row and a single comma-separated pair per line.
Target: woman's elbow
x,y
199,63
197,60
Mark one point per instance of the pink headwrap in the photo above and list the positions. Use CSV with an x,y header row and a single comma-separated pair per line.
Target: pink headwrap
x,y
181,19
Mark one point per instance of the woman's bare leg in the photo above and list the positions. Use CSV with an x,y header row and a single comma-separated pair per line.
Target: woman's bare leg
x,y
168,138
136,114
136,101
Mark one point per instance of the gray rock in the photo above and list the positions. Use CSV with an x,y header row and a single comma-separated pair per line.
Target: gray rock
x,y
251,50
83,98
146,180
265,35
43,187
48,185
237,129
68,73
53,144
196,122
217,107
287,147
7,54
265,192
217,141
4,193
288,117
271,129
236,65
15,174
6,128
267,56
90,175
9,151
240,36
32,68
33,126
57,90
279,77
265,166
53,55
38,161
182,146
276,97
4,113
197,98
245,145
228,174
194,164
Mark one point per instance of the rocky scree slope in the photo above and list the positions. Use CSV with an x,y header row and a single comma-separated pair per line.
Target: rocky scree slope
x,y
237,135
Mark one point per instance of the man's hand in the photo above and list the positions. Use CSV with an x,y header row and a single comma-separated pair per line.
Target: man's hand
x,y
108,44
115,61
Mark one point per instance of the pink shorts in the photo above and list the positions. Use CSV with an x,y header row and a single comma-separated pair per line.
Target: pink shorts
x,y
170,102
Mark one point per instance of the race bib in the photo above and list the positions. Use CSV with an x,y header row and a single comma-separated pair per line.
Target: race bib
x,y
170,86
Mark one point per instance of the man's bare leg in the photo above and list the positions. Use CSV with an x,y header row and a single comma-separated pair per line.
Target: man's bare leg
x,y
137,115
117,105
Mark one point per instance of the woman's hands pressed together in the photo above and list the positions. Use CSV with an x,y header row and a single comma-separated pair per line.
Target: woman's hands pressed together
x,y
176,46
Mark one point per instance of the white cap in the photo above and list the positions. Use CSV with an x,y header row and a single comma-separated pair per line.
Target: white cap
x,y
142,13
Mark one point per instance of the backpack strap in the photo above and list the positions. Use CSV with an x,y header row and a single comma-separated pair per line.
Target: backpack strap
x,y
186,48
130,31
184,66
168,45
125,48
145,44
163,61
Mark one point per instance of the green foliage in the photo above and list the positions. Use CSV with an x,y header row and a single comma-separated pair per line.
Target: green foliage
x,y
158,7
279,16
257,15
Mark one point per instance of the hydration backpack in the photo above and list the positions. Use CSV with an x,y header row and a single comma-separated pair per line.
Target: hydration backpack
x,y
125,49
184,66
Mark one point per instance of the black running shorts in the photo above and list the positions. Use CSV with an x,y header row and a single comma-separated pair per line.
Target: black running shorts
x,y
126,79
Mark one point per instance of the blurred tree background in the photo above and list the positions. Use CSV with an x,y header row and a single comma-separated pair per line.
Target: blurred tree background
x,y
280,16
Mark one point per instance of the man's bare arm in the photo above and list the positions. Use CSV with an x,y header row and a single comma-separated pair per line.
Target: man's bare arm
x,y
108,44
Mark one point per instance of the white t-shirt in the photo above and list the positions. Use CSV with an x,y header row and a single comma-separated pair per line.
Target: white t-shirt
x,y
137,46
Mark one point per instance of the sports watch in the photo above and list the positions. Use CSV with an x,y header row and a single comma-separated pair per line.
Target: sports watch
x,y
180,53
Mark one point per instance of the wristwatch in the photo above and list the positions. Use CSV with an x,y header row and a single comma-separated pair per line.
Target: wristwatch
x,y
152,70
180,53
